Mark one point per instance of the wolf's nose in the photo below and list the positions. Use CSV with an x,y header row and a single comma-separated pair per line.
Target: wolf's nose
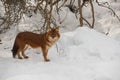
x,y
53,36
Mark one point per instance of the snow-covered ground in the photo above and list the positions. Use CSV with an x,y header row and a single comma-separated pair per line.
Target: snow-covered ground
x,y
83,54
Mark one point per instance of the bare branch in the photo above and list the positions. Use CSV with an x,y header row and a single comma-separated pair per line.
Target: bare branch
x,y
80,12
106,5
93,17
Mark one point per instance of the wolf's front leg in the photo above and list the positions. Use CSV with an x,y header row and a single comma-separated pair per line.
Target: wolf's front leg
x,y
45,52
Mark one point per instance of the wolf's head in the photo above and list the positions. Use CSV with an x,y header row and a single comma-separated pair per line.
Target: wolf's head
x,y
53,34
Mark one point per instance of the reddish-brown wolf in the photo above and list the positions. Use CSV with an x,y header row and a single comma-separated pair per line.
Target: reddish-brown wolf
x,y
43,41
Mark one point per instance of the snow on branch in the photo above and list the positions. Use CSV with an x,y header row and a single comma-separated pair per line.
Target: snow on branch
x,y
106,5
15,9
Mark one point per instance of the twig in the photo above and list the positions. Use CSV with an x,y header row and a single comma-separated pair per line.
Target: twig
x,y
108,7
93,17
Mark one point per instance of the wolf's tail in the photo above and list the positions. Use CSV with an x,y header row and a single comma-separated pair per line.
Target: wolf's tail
x,y
15,49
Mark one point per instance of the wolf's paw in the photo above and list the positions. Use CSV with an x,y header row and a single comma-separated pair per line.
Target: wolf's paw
x,y
26,57
47,60
20,58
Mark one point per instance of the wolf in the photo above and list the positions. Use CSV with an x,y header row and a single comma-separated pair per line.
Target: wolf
x,y
44,41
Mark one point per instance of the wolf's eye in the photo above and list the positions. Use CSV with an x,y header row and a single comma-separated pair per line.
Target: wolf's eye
x,y
53,35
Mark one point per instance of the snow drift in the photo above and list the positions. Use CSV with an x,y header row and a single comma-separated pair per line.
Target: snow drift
x,y
83,54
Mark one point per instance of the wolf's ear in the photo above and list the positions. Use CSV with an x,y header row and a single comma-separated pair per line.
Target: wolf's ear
x,y
57,29
49,29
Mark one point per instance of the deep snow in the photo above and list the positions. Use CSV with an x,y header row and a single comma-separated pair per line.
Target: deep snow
x,y
83,54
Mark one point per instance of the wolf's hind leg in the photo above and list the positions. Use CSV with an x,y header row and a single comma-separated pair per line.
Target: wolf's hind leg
x,y
18,53
23,54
